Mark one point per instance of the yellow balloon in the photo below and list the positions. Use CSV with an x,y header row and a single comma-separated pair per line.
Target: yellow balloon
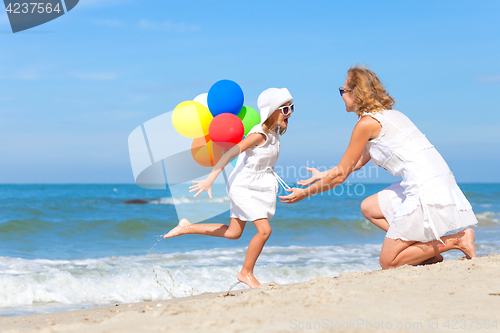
x,y
191,119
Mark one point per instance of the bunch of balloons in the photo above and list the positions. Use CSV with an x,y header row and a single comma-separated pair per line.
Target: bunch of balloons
x,y
216,120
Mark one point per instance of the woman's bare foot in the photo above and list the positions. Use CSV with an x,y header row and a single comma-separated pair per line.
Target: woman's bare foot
x,y
179,230
430,261
248,279
466,243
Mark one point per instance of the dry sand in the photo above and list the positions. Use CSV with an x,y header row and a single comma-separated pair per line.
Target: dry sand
x,y
460,295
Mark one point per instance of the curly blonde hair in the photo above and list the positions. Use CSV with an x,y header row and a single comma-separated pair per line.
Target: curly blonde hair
x,y
369,93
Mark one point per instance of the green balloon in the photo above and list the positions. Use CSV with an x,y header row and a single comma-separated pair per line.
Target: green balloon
x,y
249,117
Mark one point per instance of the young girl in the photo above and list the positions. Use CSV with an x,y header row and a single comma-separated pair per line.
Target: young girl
x,y
253,185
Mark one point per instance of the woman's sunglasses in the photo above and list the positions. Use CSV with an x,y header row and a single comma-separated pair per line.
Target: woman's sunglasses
x,y
286,110
342,90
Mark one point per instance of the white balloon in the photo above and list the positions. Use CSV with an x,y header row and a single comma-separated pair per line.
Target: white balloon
x,y
202,99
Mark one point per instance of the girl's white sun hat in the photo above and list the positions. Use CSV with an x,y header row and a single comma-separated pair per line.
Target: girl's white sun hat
x,y
270,100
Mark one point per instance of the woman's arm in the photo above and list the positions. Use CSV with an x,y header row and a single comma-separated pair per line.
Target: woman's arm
x,y
367,128
360,136
251,140
317,175
365,157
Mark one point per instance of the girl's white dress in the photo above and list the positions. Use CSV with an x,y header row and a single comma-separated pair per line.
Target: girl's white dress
x,y
427,203
252,186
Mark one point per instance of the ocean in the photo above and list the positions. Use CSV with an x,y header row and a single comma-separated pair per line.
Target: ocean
x,y
66,247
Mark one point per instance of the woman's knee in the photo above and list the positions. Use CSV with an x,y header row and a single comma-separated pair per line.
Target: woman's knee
x,y
384,263
363,207
366,207
387,261
370,208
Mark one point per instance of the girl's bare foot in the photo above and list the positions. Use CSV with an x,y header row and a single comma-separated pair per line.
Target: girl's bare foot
x,y
466,243
430,261
179,230
248,279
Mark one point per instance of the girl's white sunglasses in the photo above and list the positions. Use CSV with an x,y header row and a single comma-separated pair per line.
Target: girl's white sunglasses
x,y
287,109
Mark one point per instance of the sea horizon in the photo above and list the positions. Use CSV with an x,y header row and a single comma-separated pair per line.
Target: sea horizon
x,y
70,246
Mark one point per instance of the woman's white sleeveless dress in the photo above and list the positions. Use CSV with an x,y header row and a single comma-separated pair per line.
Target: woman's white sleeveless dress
x,y
253,185
427,203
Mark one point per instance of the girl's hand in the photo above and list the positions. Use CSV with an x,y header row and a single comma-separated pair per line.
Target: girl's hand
x,y
316,175
296,195
201,186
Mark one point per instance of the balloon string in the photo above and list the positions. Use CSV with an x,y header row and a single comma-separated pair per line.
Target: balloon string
x,y
210,153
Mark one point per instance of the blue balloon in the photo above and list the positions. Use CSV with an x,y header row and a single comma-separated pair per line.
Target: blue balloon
x,y
225,96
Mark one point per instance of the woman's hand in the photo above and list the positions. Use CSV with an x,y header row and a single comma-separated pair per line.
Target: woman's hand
x,y
201,186
316,175
296,195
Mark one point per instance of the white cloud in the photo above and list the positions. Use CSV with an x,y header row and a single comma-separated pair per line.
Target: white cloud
x,y
4,19
108,22
119,114
99,3
98,76
26,74
167,26
488,78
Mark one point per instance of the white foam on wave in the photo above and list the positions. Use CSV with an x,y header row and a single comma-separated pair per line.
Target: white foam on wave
x,y
188,200
488,217
29,286
131,279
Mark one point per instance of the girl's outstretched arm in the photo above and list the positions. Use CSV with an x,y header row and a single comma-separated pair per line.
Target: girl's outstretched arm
x,y
316,175
251,140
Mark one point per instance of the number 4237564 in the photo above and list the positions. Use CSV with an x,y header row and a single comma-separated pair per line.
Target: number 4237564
x,y
32,8
471,323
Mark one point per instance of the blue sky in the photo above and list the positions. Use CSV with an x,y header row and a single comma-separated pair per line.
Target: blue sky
x,y
73,89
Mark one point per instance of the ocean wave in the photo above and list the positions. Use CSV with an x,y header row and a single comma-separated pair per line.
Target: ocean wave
x,y
33,285
188,200
24,225
113,227
162,276
297,223
488,218
67,228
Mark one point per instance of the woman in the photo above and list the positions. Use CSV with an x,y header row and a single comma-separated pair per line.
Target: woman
x,y
415,212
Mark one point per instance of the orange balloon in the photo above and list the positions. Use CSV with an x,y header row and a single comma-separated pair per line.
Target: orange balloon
x,y
205,152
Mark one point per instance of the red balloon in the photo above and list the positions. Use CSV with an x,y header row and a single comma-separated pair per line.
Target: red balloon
x,y
226,130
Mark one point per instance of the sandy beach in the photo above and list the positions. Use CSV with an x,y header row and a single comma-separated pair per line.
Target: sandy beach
x,y
458,295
